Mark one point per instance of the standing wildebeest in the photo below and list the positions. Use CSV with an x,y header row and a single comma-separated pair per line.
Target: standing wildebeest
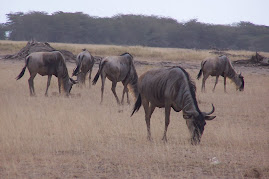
x,y
171,87
116,69
47,63
220,66
85,62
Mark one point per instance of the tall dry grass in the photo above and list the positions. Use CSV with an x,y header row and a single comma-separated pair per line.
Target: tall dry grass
x,y
141,52
76,137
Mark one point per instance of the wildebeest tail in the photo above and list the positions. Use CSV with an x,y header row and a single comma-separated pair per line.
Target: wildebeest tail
x,y
23,70
98,73
200,72
137,104
76,70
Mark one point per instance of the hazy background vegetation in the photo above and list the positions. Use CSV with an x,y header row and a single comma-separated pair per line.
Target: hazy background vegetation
x,y
142,30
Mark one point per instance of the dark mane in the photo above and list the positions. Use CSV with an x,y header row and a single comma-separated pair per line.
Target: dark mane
x,y
192,87
126,53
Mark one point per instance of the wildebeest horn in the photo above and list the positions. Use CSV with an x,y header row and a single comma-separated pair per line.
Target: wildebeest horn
x,y
73,81
213,109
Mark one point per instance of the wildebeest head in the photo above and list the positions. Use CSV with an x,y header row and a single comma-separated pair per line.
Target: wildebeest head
x,y
196,125
71,82
241,87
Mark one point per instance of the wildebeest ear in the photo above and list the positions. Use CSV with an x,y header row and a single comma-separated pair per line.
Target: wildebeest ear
x,y
208,118
185,116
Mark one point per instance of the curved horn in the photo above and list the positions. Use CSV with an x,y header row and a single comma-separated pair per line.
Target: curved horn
x,y
73,81
213,109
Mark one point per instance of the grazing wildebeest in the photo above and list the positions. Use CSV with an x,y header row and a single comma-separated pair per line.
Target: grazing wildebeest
x,y
220,66
84,62
47,63
171,87
116,69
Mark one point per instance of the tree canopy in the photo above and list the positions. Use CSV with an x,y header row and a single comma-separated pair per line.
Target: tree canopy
x,y
131,29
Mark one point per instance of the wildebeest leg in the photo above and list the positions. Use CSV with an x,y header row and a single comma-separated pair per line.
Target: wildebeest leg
x,y
217,78
148,112
82,78
31,84
203,82
48,84
225,84
90,76
113,89
103,76
127,93
125,90
59,84
167,121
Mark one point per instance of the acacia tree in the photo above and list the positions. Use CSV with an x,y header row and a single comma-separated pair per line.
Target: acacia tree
x,y
134,30
2,32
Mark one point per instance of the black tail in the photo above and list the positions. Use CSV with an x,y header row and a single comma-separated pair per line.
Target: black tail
x,y
137,104
98,73
23,70
200,72
75,71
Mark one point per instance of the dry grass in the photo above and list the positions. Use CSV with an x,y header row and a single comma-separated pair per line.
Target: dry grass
x,y
144,53
59,137
10,47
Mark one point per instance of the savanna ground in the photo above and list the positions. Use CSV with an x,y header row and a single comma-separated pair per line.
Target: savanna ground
x,y
76,137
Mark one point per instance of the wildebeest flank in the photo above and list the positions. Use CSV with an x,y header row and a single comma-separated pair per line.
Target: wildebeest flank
x,y
116,69
171,87
85,62
47,63
220,66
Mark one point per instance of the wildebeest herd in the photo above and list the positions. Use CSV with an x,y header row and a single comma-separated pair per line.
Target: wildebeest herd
x,y
167,87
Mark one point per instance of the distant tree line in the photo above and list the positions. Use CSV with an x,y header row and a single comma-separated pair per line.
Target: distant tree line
x,y
133,30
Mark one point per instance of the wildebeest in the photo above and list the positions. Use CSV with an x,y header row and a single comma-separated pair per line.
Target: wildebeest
x,y
84,62
116,69
47,63
171,87
220,66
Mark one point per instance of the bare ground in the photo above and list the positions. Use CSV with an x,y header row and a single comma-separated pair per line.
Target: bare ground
x,y
76,137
